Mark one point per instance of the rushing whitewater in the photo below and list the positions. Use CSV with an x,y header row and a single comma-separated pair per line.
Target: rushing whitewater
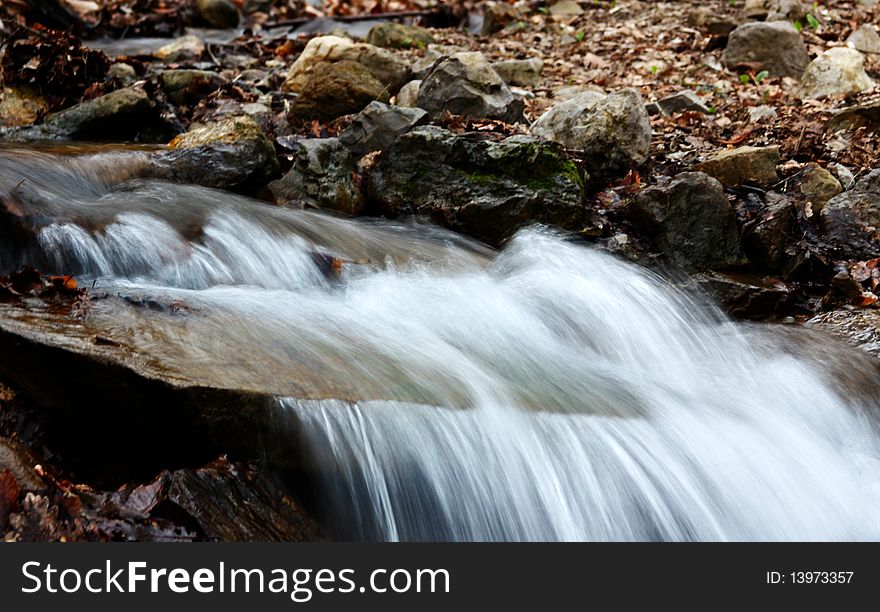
x,y
546,392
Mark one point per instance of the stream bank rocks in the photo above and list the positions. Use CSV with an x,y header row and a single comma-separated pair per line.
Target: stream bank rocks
x,y
852,219
376,127
386,68
774,46
612,132
481,188
321,177
232,153
466,84
337,89
691,221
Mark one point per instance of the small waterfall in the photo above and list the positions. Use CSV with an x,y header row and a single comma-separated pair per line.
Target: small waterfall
x,y
546,392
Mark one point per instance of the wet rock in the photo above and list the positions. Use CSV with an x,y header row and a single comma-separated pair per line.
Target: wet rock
x,y
839,71
337,89
818,186
399,36
480,188
690,220
184,49
499,15
233,154
466,84
387,68
21,106
766,236
218,13
852,219
321,177
188,86
685,100
18,460
612,131
376,127
745,296
743,164
231,506
119,115
775,46
860,326
522,72
408,95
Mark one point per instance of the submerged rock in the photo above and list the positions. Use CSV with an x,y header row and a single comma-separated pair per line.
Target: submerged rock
x,y
321,177
612,131
384,66
233,154
745,296
737,166
852,219
860,326
775,46
376,127
690,220
480,188
466,84
839,71
337,89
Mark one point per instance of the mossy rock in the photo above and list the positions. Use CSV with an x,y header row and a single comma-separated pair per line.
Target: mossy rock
x,y
481,188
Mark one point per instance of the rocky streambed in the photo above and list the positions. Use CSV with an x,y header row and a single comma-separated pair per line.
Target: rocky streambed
x,y
200,232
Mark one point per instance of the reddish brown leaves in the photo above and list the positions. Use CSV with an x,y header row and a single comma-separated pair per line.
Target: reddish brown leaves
x,y
866,274
54,62
28,282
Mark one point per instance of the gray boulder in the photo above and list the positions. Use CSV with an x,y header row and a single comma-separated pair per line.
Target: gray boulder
x,y
774,46
690,220
321,177
466,84
481,188
612,131
408,95
852,219
376,127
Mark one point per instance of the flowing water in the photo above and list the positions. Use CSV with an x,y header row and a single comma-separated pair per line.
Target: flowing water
x,y
546,392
